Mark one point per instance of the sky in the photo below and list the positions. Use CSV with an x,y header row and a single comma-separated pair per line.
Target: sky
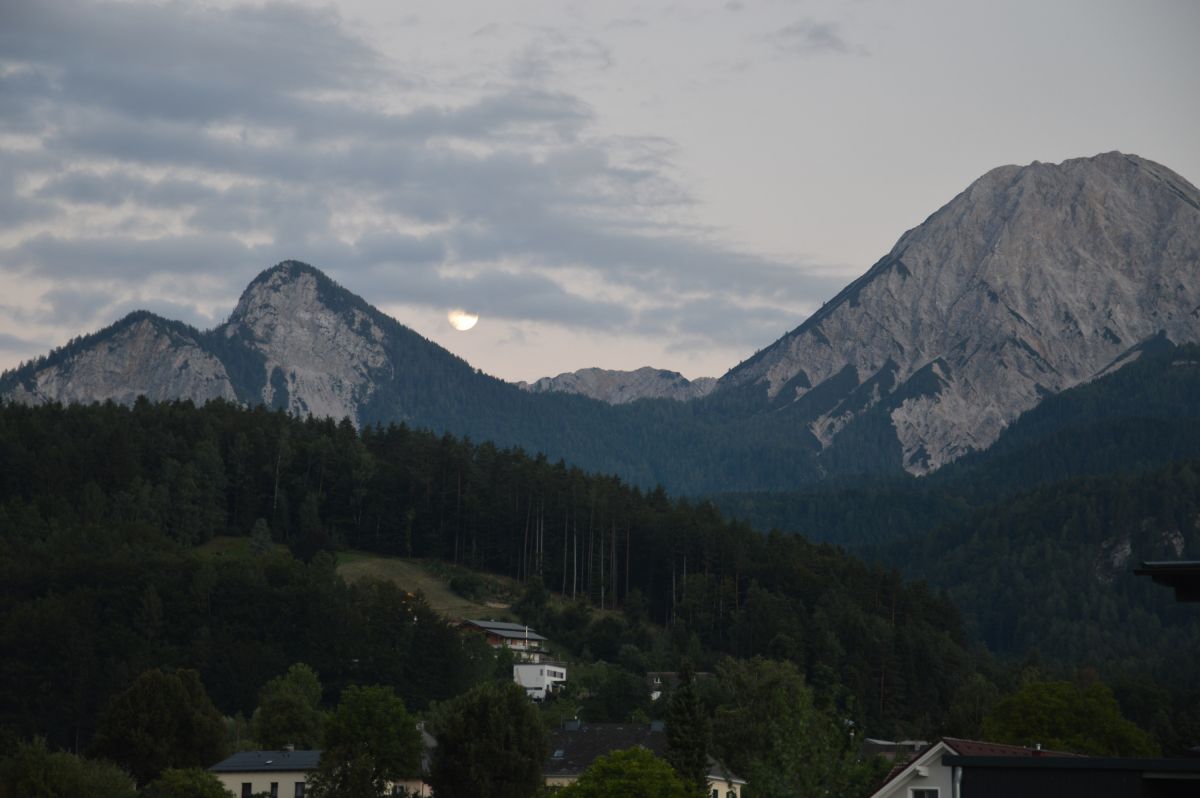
x,y
614,184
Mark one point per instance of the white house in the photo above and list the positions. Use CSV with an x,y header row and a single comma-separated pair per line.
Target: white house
x,y
926,777
539,678
280,774
284,774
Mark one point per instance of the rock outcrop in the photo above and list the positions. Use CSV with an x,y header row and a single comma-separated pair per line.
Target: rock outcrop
x,y
620,387
1033,280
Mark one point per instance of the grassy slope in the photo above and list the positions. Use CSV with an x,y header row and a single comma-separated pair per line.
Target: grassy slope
x,y
432,580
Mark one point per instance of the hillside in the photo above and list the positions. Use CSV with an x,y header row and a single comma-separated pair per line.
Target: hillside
x,y
1141,417
130,491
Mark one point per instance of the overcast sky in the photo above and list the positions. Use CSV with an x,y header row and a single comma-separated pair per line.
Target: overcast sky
x,y
616,184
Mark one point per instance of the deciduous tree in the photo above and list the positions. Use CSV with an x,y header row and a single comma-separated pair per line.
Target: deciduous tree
x,y
631,773
490,745
164,720
370,740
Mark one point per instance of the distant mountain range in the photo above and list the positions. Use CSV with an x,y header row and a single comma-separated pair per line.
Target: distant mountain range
x,y
1033,280
622,387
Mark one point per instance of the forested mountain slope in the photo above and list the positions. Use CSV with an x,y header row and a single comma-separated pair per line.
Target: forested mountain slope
x,y
100,505
1141,417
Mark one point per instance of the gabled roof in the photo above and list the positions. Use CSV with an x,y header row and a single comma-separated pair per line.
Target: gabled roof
x,y
955,746
980,748
268,761
575,746
512,631
573,749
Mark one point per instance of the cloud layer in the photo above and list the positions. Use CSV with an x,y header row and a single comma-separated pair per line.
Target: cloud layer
x,y
165,153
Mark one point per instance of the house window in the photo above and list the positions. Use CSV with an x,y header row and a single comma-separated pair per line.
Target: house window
x,y
246,789
716,793
299,789
274,789
923,792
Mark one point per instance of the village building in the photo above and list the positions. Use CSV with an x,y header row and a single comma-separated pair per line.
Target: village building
x,y
925,775
539,678
279,774
523,641
575,745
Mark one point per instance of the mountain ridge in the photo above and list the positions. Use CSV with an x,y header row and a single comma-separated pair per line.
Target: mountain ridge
x,y
617,386
1031,280
1031,272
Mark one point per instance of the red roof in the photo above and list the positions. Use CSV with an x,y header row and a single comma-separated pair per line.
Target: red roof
x,y
980,748
968,748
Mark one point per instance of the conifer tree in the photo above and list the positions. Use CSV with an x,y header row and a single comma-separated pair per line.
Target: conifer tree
x,y
688,730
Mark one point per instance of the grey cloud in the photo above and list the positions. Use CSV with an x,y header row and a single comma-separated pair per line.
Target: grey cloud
x,y
89,187
77,305
124,257
145,85
189,62
389,247
707,321
554,51
493,293
14,343
810,37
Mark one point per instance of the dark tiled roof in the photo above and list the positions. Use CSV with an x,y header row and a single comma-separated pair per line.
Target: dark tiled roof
x,y
574,748
514,631
572,751
980,748
264,761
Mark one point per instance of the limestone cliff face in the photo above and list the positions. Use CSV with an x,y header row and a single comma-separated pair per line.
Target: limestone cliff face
x,y
1031,281
620,387
317,359
141,355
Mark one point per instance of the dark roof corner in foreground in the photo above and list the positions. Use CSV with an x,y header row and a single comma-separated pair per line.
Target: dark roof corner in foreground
x,y
1181,575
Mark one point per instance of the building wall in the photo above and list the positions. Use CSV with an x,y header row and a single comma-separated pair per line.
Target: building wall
x,y
261,782
940,778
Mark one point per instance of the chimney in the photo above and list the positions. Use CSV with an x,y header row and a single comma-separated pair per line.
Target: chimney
x,y
290,748
1037,749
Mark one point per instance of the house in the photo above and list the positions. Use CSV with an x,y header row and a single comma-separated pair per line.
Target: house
x,y
523,641
925,775
660,682
284,774
280,774
539,678
1051,776
576,745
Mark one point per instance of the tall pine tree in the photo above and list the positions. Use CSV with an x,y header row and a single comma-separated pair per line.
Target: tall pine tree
x,y
688,731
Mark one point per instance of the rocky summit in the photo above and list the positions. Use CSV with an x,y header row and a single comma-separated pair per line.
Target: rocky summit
x,y
620,387
1034,279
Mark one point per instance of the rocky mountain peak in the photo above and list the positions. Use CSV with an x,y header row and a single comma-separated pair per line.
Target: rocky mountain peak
x,y
1030,281
142,354
321,346
620,387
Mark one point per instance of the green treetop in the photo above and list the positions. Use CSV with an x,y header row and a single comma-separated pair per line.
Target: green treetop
x,y
631,773
370,740
490,745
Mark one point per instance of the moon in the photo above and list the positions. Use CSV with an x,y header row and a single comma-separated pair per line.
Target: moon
x,y
461,320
